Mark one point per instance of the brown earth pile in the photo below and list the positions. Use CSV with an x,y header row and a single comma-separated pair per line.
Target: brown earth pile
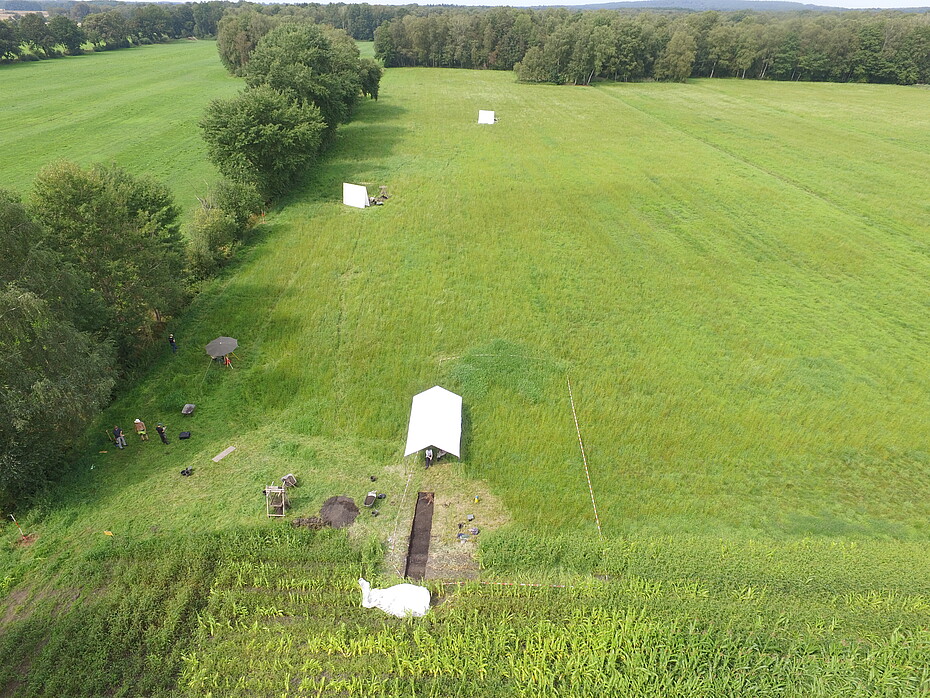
x,y
339,512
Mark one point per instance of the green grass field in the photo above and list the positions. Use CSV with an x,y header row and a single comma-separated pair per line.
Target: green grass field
x,y
137,108
732,274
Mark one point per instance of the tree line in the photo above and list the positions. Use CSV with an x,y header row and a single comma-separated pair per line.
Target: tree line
x,y
560,46
302,80
85,25
105,26
94,263
87,267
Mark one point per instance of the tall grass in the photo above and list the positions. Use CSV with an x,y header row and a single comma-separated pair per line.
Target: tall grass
x,y
257,612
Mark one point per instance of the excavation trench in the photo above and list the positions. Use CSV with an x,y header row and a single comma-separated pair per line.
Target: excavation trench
x,y
418,550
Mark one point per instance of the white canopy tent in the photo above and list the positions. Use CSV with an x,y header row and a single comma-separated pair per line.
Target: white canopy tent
x,y
355,195
435,420
485,117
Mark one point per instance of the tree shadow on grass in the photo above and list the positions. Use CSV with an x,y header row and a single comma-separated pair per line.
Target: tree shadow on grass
x,y
372,112
359,147
466,432
266,379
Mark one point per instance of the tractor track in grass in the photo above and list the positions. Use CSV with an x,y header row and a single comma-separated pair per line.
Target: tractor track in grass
x,y
884,226
345,278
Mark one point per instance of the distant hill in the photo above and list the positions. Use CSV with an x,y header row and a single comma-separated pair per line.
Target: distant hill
x,y
721,6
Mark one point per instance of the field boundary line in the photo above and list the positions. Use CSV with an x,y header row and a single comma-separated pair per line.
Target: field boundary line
x,y
584,458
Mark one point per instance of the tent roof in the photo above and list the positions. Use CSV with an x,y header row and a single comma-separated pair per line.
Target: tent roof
x,y
435,420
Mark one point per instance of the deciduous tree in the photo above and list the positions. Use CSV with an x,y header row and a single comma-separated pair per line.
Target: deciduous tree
x,y
9,41
53,376
263,137
207,16
67,33
149,23
311,64
370,73
107,30
33,31
237,36
53,379
122,233
676,62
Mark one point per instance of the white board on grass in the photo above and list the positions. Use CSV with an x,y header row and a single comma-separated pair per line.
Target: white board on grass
x,y
220,456
485,117
354,195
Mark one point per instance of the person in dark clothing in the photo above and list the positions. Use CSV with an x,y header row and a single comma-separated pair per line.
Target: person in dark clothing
x,y
161,433
118,437
173,343
429,457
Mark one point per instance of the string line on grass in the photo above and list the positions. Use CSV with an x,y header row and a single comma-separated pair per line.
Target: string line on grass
x,y
492,356
397,519
584,458
509,584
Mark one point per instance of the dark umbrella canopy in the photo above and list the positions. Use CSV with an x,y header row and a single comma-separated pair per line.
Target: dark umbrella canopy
x,y
221,346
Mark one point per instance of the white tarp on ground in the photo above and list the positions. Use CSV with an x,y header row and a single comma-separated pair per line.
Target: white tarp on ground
x,y
401,600
485,117
435,420
354,195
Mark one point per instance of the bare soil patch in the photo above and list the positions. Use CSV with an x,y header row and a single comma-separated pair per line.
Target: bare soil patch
x,y
14,602
450,557
21,603
339,512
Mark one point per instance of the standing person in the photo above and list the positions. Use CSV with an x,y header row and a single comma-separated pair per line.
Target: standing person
x,y
140,430
118,437
161,433
429,457
173,343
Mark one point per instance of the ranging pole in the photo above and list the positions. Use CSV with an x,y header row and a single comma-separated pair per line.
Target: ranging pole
x,y
18,526
584,458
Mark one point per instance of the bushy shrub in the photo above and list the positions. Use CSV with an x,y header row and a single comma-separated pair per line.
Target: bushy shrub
x,y
221,225
263,137
239,201
212,238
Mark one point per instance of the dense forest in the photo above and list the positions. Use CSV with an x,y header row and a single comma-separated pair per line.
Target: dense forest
x,y
561,46
554,45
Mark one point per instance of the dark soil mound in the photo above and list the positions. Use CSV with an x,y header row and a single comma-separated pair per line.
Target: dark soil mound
x,y
314,523
339,512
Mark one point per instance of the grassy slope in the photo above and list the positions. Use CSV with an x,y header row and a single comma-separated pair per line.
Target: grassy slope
x,y
746,352
137,108
743,335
